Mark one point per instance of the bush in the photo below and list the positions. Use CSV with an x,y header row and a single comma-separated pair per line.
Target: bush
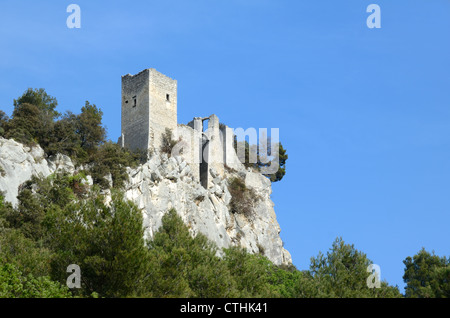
x,y
81,137
106,241
242,198
110,158
14,285
186,266
58,224
251,273
167,142
25,254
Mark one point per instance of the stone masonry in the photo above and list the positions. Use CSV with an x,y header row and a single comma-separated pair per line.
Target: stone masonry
x,y
149,106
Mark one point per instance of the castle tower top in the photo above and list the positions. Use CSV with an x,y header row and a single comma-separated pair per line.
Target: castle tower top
x,y
149,106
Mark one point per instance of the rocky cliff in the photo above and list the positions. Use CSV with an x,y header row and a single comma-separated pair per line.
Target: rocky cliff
x,y
167,182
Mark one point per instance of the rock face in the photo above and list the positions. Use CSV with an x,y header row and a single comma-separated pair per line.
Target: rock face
x,y
163,183
18,163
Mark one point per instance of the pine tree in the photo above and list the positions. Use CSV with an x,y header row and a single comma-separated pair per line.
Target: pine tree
x,y
427,275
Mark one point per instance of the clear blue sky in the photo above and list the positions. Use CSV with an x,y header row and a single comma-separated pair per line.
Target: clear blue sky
x,y
363,113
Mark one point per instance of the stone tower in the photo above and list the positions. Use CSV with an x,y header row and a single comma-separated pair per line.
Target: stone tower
x,y
149,106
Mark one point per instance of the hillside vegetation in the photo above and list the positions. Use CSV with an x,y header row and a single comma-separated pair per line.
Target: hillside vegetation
x,y
62,220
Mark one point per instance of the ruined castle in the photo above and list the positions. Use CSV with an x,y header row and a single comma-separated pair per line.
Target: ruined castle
x,y
193,180
149,107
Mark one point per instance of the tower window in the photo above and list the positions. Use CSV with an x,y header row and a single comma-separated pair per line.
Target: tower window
x,y
167,97
134,101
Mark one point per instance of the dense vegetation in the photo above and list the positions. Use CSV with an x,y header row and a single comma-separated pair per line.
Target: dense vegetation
x,y
427,275
61,220
82,137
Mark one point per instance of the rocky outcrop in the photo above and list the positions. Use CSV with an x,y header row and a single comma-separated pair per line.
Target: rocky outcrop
x,y
163,183
18,163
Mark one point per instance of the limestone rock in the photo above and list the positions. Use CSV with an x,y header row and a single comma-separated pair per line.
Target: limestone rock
x,y
163,183
60,163
207,211
18,164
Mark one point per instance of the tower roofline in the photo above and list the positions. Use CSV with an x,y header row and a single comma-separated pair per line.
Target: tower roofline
x,y
148,70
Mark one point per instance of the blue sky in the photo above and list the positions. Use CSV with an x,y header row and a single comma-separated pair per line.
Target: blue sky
x,y
363,113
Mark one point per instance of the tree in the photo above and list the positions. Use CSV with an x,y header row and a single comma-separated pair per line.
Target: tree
x,y
110,158
4,207
288,282
427,275
264,157
66,222
39,98
441,281
34,121
29,215
343,273
25,125
33,118
90,129
282,158
3,121
106,241
251,272
25,254
65,139
186,266
13,284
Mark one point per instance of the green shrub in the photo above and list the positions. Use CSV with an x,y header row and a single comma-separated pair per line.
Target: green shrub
x,y
167,142
110,158
242,198
13,284
186,266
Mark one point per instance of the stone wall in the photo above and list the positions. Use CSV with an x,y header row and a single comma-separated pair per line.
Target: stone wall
x,y
230,157
149,106
215,151
163,106
189,148
206,150
135,110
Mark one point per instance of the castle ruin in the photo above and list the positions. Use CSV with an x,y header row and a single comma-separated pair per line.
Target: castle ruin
x,y
149,107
